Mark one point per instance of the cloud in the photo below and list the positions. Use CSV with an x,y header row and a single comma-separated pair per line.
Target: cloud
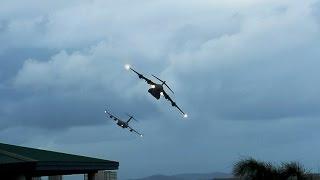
x,y
73,90
257,73
77,25
245,72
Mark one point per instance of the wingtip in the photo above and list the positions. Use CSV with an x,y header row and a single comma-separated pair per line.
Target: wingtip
x,y
127,66
185,116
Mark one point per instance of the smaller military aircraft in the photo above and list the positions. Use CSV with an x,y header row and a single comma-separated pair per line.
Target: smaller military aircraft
x,y
123,124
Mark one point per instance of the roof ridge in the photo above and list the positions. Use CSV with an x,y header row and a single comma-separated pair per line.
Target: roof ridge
x,y
42,150
16,156
24,148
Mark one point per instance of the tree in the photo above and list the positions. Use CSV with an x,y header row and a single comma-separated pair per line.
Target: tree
x,y
293,169
257,170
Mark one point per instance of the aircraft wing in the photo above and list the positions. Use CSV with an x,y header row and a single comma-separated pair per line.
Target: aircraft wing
x,y
172,102
142,77
111,115
133,130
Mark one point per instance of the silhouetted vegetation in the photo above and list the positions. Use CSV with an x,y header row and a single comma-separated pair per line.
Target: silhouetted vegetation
x,y
252,169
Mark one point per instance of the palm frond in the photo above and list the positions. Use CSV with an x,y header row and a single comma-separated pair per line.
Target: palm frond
x,y
293,169
253,169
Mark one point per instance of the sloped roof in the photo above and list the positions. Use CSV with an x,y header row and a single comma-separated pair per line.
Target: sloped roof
x,y
41,162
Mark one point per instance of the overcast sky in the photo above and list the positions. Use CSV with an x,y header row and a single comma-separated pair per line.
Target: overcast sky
x,y
245,71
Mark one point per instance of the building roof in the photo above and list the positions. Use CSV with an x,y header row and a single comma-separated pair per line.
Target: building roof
x,y
41,162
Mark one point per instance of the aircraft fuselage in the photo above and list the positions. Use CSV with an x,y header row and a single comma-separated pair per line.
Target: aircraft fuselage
x,y
122,124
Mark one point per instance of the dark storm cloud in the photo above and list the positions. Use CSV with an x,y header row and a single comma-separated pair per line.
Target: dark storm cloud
x,y
12,60
70,90
245,72
259,91
248,76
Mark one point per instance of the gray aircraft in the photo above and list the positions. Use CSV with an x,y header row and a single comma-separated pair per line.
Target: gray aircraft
x,y
157,90
123,124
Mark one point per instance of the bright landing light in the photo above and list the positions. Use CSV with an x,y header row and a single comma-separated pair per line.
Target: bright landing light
x,y
153,86
185,115
127,66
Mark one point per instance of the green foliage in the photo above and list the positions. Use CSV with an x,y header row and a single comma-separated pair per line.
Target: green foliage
x,y
291,169
252,169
